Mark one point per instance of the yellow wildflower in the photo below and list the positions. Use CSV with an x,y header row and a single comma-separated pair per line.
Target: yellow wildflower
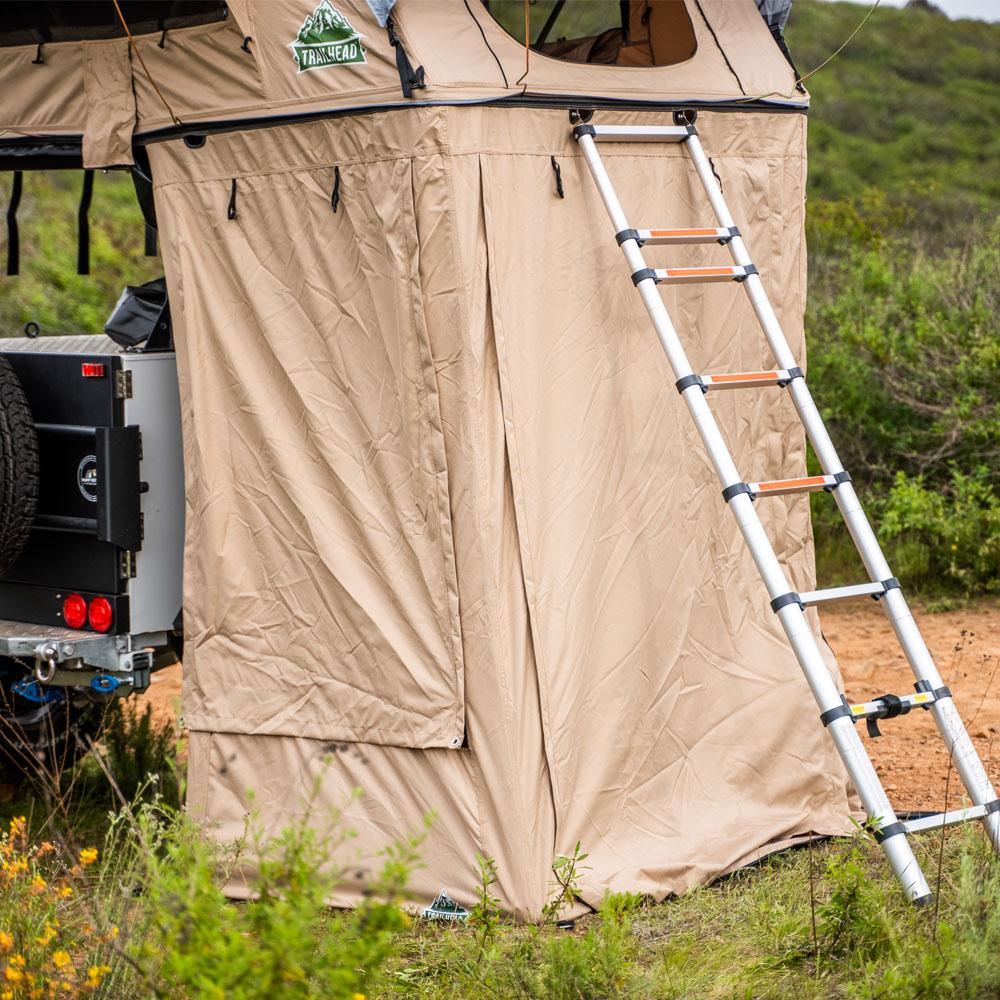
x,y
7,995
38,884
63,891
13,975
6,941
47,935
96,973
17,961
88,856
60,959
357,996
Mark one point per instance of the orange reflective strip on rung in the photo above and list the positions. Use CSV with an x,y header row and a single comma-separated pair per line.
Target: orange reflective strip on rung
x,y
790,484
745,377
683,272
683,232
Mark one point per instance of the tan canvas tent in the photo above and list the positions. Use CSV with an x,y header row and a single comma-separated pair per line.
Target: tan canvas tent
x,y
450,538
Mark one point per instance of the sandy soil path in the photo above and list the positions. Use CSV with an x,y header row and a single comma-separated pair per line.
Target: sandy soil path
x,y
910,757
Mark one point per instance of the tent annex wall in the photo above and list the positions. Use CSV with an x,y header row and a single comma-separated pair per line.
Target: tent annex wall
x,y
448,539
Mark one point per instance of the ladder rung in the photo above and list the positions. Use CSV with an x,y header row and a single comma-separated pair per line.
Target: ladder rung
x,y
781,487
661,237
949,818
808,597
687,275
744,380
876,708
637,133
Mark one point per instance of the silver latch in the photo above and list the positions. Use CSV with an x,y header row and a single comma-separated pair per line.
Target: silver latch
x,y
123,384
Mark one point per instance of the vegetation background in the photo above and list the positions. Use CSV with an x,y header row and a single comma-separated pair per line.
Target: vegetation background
x,y
107,889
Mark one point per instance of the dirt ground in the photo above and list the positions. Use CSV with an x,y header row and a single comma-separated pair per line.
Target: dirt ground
x,y
910,757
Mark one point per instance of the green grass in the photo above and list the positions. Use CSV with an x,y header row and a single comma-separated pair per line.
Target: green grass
x,y
147,917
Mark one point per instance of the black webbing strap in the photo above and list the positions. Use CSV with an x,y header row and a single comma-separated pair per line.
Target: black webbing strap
x,y
688,381
150,248
13,237
783,600
83,224
335,194
735,490
893,706
892,830
842,711
410,79
231,208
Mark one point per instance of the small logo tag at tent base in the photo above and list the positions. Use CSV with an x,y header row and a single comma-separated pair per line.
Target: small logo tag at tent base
x,y
444,908
326,38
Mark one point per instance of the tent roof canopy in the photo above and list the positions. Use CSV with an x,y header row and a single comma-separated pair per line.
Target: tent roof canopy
x,y
197,66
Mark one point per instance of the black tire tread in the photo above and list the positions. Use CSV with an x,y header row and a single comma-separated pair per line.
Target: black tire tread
x,y
18,467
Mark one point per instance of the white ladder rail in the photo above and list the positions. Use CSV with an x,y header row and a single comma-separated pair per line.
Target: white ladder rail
x,y
966,759
835,713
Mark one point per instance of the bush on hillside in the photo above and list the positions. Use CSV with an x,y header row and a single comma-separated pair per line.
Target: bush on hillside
x,y
905,358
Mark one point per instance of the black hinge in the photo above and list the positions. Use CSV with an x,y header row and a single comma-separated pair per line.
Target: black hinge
x,y
126,564
123,384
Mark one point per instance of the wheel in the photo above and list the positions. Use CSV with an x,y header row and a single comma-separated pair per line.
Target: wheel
x,y
18,467
41,731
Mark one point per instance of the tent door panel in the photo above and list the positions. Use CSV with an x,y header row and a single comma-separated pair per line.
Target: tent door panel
x,y
320,589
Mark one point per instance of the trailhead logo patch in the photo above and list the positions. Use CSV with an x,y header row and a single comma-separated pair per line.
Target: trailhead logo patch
x,y
327,38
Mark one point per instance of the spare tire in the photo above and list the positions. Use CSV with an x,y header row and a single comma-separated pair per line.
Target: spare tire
x,y
18,467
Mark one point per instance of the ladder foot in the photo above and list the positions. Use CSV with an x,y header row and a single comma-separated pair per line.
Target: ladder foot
x,y
925,900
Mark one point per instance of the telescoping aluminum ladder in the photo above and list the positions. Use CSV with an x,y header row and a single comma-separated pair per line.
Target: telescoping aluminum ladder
x,y
836,713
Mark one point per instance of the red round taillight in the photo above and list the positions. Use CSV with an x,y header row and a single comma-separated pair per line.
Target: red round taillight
x,y
75,611
99,615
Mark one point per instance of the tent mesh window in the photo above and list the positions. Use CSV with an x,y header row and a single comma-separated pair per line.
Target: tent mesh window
x,y
605,32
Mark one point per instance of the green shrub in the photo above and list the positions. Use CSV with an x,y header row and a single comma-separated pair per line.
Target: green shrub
x,y
905,361
190,941
141,754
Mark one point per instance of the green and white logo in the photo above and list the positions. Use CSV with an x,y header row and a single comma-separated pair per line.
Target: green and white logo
x,y
326,38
